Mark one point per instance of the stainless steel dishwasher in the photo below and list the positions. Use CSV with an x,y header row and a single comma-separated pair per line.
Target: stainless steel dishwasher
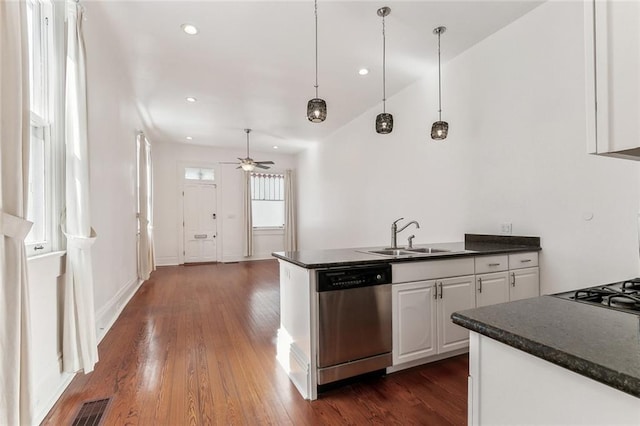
x,y
354,321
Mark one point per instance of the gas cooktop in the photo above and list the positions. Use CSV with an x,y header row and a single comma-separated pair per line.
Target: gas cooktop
x,y
623,296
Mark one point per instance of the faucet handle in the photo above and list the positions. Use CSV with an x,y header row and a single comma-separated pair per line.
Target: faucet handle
x,y
398,220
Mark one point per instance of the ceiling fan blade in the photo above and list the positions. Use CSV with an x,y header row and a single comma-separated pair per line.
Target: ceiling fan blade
x,y
241,159
228,162
260,166
264,162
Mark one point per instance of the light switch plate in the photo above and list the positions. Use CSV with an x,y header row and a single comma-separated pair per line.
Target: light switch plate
x,y
506,228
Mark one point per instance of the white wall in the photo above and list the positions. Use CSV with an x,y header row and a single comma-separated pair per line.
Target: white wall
x,y
516,153
113,123
168,161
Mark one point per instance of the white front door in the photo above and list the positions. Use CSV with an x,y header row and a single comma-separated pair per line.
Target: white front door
x,y
199,209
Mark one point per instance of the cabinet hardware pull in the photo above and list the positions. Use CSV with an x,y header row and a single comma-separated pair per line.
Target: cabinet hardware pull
x,y
200,236
435,293
479,285
513,279
494,264
525,260
39,247
440,289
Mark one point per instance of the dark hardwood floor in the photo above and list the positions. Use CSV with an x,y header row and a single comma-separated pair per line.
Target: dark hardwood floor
x,y
196,346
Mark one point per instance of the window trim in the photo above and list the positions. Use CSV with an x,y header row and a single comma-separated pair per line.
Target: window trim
x,y
266,230
51,44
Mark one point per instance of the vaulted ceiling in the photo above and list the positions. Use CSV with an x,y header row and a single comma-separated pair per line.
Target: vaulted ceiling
x,y
251,65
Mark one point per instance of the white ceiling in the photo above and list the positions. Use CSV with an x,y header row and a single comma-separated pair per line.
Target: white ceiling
x,y
252,63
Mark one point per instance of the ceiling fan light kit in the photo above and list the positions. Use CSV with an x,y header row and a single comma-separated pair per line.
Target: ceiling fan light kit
x,y
384,120
439,129
316,107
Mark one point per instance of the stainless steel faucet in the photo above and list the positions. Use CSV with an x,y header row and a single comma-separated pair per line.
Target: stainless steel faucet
x,y
395,231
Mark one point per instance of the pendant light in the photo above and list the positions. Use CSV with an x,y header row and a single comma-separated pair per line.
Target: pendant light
x,y
384,120
316,107
440,128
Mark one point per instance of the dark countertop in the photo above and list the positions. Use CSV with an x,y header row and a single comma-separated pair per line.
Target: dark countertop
x,y
474,245
599,343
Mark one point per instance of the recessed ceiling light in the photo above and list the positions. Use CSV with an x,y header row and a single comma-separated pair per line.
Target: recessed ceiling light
x,y
191,99
188,138
363,71
189,29
275,147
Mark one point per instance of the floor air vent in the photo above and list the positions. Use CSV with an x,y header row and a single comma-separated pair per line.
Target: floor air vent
x,y
91,413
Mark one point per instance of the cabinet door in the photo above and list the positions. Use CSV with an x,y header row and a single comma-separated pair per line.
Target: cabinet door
x,y
525,283
454,294
492,288
612,35
414,321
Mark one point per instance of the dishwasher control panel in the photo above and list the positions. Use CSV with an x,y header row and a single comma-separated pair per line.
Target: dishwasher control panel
x,y
353,277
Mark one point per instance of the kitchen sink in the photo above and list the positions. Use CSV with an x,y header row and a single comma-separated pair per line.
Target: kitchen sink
x,y
407,251
391,252
427,250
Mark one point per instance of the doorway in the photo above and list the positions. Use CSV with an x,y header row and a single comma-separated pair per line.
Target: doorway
x,y
199,206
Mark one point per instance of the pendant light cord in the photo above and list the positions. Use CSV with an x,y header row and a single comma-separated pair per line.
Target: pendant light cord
x,y
439,81
384,81
316,13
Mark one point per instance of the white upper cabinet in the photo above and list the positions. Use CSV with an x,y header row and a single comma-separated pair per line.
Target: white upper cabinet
x,y
612,61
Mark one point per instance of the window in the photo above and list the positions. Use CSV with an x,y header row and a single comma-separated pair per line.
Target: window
x,y
42,86
195,173
267,200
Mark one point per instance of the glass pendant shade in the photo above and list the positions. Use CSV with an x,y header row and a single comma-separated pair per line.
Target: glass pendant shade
x,y
384,123
439,130
316,110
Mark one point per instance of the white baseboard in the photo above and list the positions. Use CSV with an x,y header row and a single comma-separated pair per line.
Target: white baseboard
x,y
167,261
107,315
54,385
426,360
293,361
262,256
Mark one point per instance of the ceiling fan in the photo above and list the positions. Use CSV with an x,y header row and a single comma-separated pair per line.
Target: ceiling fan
x,y
248,164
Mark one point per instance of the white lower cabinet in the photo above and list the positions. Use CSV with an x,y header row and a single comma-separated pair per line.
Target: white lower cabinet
x,y
456,294
422,310
492,288
525,283
414,321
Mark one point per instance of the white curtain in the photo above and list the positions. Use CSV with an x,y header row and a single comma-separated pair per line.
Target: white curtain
x,y
146,256
15,356
246,214
290,224
79,348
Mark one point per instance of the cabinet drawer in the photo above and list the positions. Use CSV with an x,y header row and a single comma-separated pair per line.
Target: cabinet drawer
x,y
523,260
418,271
485,264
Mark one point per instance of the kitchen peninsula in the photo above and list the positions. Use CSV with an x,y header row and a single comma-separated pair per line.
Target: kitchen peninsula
x,y
549,360
400,304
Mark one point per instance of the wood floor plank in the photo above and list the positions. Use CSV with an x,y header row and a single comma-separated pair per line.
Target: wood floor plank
x,y
196,346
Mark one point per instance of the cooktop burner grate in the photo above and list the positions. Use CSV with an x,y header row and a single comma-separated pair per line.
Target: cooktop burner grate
x,y
623,296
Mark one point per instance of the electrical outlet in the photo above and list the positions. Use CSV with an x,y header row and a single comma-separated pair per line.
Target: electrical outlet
x,y
506,228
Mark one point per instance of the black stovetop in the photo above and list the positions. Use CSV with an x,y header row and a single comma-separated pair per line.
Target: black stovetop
x,y
623,296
